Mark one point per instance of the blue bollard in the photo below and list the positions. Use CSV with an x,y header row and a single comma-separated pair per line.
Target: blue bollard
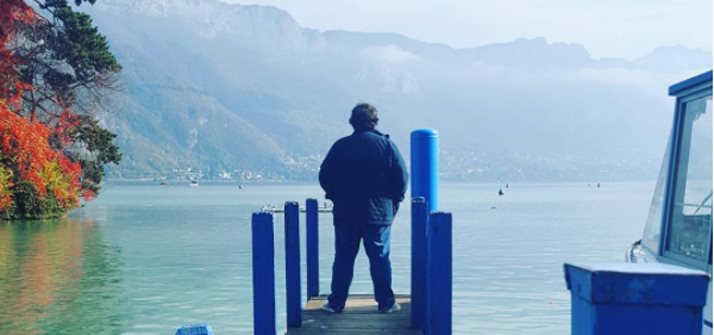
x,y
438,274
425,166
292,264
197,329
313,254
626,298
264,307
419,218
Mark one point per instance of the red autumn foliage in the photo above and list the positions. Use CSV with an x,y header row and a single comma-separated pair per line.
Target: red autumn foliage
x,y
11,11
26,155
64,125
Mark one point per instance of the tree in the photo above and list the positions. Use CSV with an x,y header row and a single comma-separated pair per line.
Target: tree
x,y
64,58
55,70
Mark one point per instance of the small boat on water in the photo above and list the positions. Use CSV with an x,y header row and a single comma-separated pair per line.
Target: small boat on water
x,y
324,208
193,183
275,208
500,191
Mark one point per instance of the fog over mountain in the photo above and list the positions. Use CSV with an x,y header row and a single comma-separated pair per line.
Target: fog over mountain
x,y
218,87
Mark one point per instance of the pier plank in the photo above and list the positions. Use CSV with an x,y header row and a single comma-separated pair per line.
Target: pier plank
x,y
359,317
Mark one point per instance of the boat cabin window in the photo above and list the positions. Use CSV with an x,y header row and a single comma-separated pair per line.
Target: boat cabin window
x,y
691,215
653,226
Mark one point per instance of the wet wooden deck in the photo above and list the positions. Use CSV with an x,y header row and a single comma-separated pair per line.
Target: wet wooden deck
x,y
359,317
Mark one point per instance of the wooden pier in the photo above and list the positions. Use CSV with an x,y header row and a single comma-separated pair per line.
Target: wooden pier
x,y
431,280
360,316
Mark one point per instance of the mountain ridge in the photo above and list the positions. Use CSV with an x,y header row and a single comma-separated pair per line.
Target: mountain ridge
x,y
263,95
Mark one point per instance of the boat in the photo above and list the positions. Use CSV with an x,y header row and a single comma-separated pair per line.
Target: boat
x,y
193,183
678,229
275,208
500,191
326,207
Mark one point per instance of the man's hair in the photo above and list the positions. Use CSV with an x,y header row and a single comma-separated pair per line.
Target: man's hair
x,y
364,117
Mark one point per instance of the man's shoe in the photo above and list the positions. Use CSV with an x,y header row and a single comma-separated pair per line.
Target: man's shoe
x,y
394,308
329,309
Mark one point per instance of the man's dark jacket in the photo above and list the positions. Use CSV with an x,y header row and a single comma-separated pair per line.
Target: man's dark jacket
x,y
365,177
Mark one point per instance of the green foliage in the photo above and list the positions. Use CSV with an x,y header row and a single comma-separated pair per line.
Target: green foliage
x,y
65,54
29,206
98,142
82,46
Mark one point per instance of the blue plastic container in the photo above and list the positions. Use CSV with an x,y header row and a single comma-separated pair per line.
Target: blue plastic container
x,y
197,329
626,298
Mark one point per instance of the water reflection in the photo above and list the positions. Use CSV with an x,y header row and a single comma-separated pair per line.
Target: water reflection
x,y
185,257
57,276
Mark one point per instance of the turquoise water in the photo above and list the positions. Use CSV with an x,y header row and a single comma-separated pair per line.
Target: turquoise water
x,y
145,259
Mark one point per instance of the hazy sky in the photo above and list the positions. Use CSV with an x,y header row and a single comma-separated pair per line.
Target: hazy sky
x,y
607,28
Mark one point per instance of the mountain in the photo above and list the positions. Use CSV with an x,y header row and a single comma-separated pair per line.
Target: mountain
x,y
537,52
674,58
213,87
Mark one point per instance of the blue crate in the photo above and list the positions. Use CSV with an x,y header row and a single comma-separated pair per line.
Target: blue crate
x,y
626,298
197,329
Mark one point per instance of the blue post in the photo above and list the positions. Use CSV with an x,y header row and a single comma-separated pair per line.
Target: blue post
x,y
292,264
626,298
197,329
438,287
419,218
264,308
425,166
313,254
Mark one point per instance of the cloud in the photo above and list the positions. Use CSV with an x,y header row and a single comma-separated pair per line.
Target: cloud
x,y
389,54
633,77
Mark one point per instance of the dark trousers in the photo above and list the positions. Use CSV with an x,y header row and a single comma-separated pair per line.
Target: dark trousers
x,y
376,244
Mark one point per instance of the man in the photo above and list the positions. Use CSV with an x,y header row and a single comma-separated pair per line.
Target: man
x,y
365,177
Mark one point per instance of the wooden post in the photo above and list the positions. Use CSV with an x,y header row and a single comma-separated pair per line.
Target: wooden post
x,y
292,264
313,253
439,271
264,307
419,218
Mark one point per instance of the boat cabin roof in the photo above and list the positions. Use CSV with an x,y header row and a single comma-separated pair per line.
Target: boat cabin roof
x,y
683,87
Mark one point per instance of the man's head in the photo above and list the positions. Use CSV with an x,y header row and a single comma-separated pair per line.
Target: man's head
x,y
364,117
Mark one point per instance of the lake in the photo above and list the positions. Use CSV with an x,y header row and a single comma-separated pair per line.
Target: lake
x,y
145,259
